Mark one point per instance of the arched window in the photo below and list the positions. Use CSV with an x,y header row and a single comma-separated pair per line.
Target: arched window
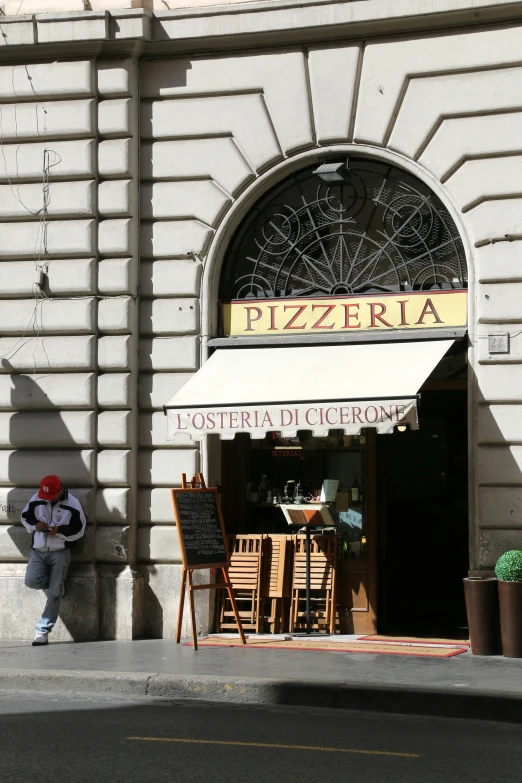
x,y
378,229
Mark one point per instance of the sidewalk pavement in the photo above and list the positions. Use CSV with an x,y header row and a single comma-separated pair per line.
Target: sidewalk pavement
x,y
465,686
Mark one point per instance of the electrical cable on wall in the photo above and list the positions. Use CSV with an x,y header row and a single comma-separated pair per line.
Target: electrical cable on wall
x,y
40,249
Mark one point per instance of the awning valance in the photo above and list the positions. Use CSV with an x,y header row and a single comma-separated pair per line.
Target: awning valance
x,y
348,387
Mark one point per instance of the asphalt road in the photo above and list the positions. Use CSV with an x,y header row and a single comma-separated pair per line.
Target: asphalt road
x,y
100,739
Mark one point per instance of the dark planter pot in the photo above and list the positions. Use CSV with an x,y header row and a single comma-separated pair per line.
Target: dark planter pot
x,y
481,594
510,600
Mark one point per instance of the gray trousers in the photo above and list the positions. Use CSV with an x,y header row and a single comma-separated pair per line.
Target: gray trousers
x,y
47,571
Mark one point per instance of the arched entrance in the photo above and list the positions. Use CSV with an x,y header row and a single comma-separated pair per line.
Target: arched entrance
x,y
345,282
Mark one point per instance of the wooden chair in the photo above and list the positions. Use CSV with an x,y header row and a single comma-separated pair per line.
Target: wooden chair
x,y
245,576
277,569
323,563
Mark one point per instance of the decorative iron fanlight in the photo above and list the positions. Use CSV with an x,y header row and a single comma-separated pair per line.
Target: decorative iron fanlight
x,y
378,230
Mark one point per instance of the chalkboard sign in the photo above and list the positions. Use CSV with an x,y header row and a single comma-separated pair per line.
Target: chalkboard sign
x,y
200,528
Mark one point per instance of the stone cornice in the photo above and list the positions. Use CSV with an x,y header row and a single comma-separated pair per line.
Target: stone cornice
x,y
238,26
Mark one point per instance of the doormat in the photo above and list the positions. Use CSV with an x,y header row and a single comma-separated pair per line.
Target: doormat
x,y
426,642
381,648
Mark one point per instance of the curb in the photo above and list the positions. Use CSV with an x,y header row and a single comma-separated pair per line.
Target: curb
x,y
375,697
81,681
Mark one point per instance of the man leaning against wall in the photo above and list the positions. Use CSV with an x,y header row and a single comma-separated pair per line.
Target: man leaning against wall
x,y
55,519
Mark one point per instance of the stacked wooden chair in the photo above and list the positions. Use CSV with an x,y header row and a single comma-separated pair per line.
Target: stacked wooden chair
x,y
323,563
277,568
269,572
246,557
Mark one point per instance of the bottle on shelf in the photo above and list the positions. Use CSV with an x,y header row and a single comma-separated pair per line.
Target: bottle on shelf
x,y
355,490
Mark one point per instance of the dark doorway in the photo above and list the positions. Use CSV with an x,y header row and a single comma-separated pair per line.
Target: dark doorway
x,y
423,520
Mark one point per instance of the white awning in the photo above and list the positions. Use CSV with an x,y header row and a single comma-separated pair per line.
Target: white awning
x,y
347,387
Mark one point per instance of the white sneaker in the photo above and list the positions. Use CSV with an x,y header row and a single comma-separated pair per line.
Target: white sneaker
x,y
40,638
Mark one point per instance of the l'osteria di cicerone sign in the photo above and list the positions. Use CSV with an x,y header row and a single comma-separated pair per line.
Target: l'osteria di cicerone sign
x,y
409,310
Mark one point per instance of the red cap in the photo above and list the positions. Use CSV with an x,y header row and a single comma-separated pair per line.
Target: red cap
x,y
49,487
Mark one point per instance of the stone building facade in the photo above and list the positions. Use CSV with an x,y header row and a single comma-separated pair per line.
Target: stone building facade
x,y
132,143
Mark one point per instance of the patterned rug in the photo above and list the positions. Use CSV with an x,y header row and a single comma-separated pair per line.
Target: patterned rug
x,y
428,641
326,645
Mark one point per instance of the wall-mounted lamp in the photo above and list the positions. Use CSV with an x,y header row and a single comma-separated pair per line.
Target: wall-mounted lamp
x,y
402,427
333,172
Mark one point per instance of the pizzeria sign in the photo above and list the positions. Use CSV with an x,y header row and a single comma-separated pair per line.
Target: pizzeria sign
x,y
375,312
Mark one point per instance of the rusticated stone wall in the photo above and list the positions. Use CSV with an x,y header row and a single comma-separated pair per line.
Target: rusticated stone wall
x,y
115,177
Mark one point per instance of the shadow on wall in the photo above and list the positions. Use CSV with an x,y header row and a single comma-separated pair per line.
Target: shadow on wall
x,y
174,73
41,442
152,608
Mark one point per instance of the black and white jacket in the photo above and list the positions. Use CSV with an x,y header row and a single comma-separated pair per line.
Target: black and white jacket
x,y
67,514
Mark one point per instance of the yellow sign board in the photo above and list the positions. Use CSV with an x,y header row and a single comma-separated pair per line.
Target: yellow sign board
x,y
382,312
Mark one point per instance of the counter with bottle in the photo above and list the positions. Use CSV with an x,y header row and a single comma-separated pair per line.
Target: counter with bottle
x,y
285,471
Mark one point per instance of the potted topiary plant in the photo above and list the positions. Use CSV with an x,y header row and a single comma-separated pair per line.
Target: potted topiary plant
x,y
509,573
